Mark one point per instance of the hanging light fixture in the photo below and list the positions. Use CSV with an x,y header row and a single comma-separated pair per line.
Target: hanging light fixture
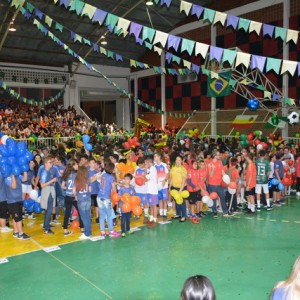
x,y
12,26
103,41
149,2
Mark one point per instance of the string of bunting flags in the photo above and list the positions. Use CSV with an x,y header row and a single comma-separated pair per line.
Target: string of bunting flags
x,y
214,17
90,67
189,67
70,51
35,102
118,26
158,69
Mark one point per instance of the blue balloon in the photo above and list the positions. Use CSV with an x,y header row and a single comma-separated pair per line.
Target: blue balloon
x,y
280,186
29,156
29,204
1,134
88,147
5,170
10,142
24,168
274,181
85,138
11,160
11,149
3,150
26,203
22,160
253,104
8,181
37,208
3,160
21,148
15,170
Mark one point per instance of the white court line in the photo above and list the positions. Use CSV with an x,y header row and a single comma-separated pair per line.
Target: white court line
x,y
72,270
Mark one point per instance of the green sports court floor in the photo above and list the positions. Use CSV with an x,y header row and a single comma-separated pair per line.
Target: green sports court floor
x,y
244,256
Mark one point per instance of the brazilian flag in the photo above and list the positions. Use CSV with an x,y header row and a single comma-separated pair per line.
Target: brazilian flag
x,y
219,87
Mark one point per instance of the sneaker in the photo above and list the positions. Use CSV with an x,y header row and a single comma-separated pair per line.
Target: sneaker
x,y
152,224
123,235
23,236
68,233
276,203
250,212
282,202
84,237
258,209
32,217
55,222
114,234
49,231
130,232
15,234
298,194
103,234
146,221
229,214
194,220
215,214
5,229
269,208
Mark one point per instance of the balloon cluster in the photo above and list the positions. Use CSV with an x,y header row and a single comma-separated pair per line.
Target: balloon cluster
x,y
85,139
193,133
123,169
131,203
179,196
253,104
14,157
256,139
32,204
131,143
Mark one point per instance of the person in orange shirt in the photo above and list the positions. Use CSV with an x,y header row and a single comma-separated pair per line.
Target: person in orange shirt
x,y
214,180
233,173
202,184
250,183
193,186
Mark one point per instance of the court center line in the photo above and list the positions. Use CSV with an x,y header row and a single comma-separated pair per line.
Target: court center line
x,y
71,269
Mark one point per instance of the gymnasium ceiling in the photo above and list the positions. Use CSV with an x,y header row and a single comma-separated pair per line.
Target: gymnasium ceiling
x,y
28,45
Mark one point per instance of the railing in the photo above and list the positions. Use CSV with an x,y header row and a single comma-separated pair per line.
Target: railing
x,y
49,142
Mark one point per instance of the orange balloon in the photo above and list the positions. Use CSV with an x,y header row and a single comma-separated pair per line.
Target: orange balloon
x,y
139,181
285,181
126,207
135,200
126,197
75,224
137,210
232,185
204,193
120,167
115,197
130,169
213,195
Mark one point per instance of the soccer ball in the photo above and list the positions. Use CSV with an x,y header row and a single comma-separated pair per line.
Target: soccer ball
x,y
293,118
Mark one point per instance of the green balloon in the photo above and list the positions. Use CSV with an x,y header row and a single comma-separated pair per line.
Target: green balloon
x,y
243,137
275,120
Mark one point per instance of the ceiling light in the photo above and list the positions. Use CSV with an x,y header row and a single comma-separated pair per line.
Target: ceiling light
x,y
12,26
103,41
149,2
